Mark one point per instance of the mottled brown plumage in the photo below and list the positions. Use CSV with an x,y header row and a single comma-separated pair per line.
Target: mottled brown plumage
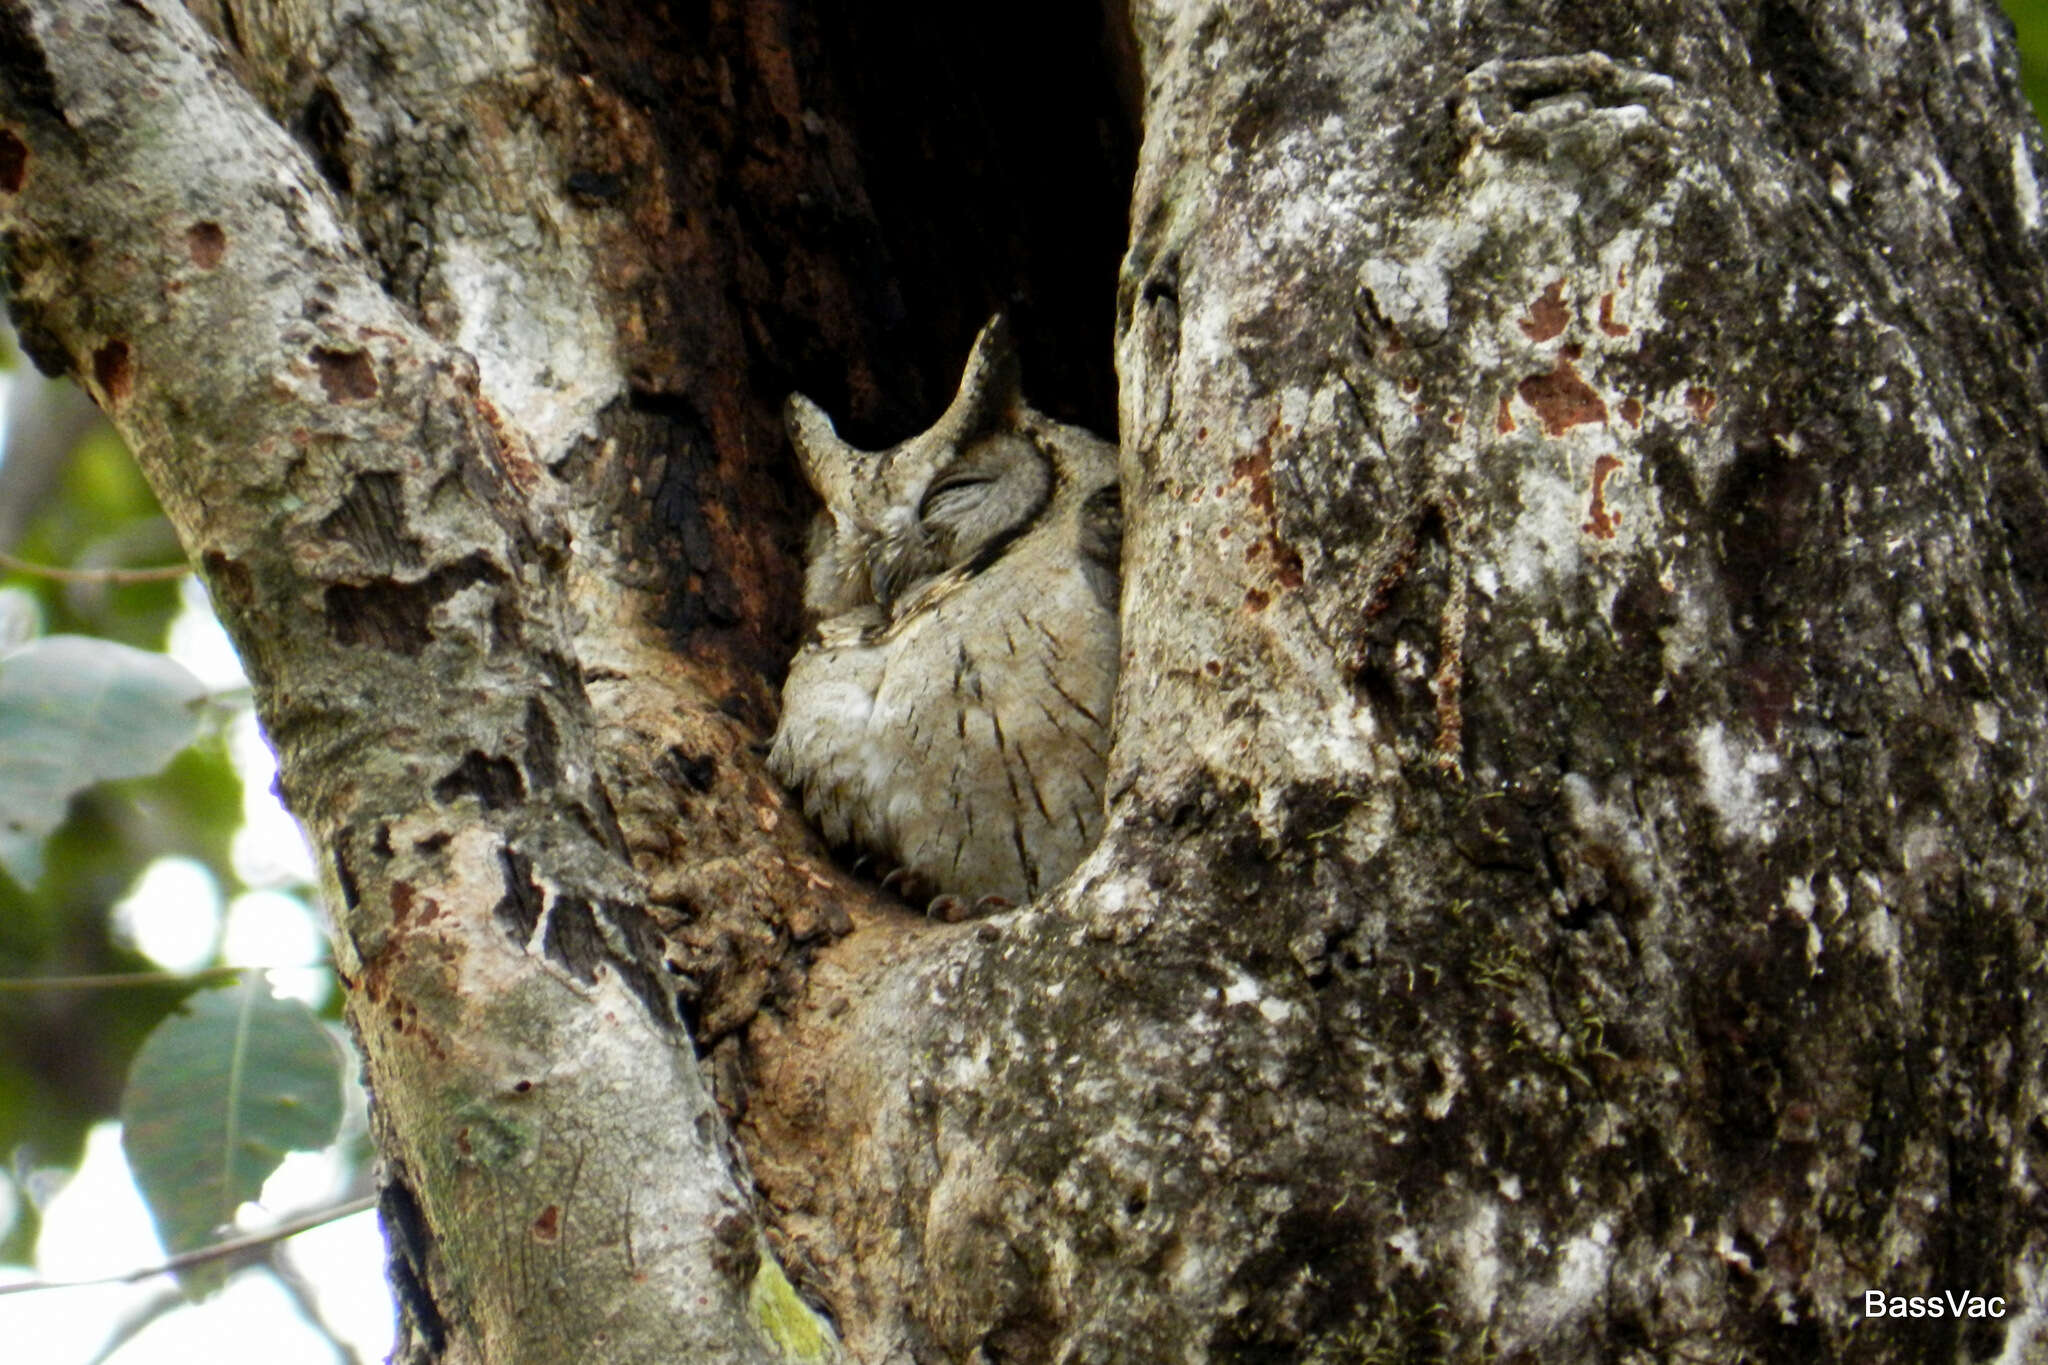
x,y
950,710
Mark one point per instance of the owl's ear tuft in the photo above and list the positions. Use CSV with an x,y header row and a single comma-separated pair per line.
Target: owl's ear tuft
x,y
828,462
991,388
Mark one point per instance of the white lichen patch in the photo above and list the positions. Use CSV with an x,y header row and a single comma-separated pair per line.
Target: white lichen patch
x,y
2023,1328
1610,823
2026,189
1731,784
1925,846
968,1070
1986,717
1413,295
1692,631
544,349
1573,1293
1313,188
1880,933
1799,901
1545,544
1343,740
1408,1243
1242,989
1208,356
1582,1272
1475,1251
1437,1105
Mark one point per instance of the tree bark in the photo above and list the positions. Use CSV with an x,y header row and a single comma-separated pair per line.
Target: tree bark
x,y
1573,887
352,413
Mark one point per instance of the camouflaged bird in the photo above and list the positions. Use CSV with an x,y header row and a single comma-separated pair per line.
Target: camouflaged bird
x,y
950,710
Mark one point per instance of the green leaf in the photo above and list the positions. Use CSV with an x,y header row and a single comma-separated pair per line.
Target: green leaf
x,y
217,1096
75,711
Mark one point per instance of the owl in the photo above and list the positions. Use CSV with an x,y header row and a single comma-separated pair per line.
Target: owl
x,y
950,709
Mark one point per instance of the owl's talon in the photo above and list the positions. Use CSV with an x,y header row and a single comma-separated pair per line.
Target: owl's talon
x,y
988,905
948,909
908,886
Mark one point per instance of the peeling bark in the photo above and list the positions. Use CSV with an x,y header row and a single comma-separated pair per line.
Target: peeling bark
x,y
1573,884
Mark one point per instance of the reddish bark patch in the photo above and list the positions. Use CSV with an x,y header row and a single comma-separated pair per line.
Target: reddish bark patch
x,y
1286,565
1561,398
525,475
1632,411
1410,385
1505,422
1548,315
1257,600
1607,322
345,375
207,244
115,371
1256,472
1599,521
548,1227
1382,595
1450,716
405,899
1700,402
13,162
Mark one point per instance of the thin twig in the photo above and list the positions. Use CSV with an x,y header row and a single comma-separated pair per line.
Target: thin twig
x,y
217,1251
165,1301
116,980
300,1289
118,577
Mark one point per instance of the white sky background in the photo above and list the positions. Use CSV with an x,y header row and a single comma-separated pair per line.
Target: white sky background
x,y
180,917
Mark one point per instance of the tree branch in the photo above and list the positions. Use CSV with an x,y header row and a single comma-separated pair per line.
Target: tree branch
x,y
116,577
217,1251
121,980
375,533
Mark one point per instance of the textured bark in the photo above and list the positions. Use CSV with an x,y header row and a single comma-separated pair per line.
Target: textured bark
x,y
1574,884
354,435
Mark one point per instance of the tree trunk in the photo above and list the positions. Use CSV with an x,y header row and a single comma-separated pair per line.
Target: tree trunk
x,y
1573,887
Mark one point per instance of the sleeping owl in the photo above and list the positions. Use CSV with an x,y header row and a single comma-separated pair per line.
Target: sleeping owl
x,y
950,709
